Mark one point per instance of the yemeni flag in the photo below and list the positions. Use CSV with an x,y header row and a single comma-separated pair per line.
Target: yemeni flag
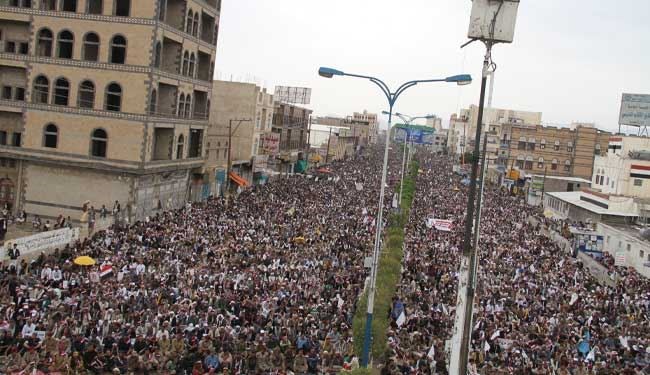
x,y
640,171
105,270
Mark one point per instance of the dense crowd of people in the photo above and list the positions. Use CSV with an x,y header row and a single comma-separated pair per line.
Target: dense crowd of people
x,y
538,310
264,283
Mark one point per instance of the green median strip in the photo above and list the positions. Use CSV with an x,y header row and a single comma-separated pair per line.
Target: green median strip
x,y
390,266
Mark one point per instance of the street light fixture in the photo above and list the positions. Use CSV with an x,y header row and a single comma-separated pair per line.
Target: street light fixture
x,y
408,120
391,96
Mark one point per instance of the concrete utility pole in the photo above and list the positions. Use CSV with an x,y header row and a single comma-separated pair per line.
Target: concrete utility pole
x,y
230,132
492,21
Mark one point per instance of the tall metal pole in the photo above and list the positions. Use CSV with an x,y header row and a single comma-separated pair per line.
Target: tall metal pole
x,y
401,185
375,258
229,167
329,139
468,267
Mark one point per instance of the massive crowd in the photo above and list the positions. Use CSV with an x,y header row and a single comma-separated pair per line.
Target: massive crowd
x,y
264,283
538,311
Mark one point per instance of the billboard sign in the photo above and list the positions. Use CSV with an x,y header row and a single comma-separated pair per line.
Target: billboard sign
x,y
293,95
419,135
271,143
635,110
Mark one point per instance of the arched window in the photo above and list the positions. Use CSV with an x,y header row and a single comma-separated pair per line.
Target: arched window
x,y
153,102
41,90
542,144
569,146
179,147
195,26
556,146
597,149
188,106
50,136
186,63
94,6
113,97
98,143
190,71
90,47
554,164
44,43
189,22
66,44
118,50
122,8
61,91
86,97
567,165
540,163
181,105
157,58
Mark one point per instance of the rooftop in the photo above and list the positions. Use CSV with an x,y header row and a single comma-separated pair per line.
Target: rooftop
x,y
573,197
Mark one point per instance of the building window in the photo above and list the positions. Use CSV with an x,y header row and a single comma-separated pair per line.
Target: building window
x,y
188,106
50,136
118,50
69,5
91,47
192,64
540,163
113,97
157,58
19,94
86,97
181,105
153,102
61,91
3,138
122,8
162,7
41,90
99,143
531,144
189,22
48,4
16,139
44,46
641,254
528,165
195,26
542,144
6,92
66,44
186,63
10,47
94,6
179,147
597,149
567,166
554,165
608,237
638,182
569,147
522,143
556,147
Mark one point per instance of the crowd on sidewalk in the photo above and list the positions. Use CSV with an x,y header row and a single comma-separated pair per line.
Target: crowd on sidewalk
x,y
264,283
538,312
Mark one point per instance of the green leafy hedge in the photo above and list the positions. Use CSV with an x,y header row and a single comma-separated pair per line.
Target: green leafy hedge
x,y
390,265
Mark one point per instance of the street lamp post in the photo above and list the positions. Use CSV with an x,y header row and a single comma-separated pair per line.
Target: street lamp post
x,y
408,120
391,96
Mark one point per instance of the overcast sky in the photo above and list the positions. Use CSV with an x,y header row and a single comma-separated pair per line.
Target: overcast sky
x,y
570,60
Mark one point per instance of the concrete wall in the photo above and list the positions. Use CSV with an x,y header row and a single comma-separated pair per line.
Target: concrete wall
x,y
636,250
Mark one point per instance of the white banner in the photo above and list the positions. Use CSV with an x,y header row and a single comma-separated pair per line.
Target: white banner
x,y
439,224
42,241
620,260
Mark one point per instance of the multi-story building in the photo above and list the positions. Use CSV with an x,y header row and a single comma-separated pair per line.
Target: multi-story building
x,y
103,101
359,129
435,122
291,122
551,150
235,101
458,133
440,141
373,124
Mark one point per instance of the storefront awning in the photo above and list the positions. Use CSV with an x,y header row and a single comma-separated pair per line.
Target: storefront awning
x,y
239,180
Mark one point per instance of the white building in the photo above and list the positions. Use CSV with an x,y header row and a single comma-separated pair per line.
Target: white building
x,y
373,124
628,246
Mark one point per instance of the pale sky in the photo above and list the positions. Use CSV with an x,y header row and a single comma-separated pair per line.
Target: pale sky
x,y
570,60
